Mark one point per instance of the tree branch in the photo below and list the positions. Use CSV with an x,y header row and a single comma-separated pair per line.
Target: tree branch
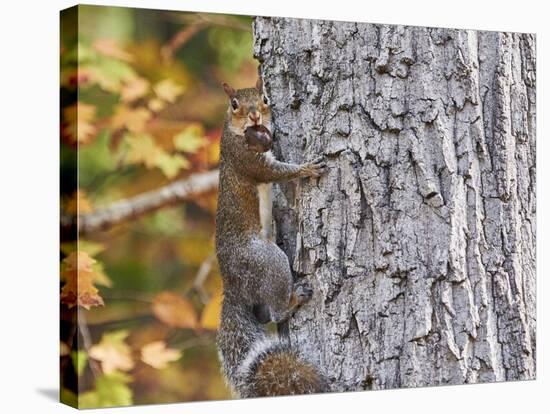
x,y
134,207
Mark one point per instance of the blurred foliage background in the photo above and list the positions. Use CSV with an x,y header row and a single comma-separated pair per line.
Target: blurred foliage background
x,y
142,106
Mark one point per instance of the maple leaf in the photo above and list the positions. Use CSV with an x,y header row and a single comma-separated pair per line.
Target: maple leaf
x,y
156,104
79,275
171,164
174,311
157,355
168,90
210,318
191,139
110,48
64,349
79,203
134,119
141,150
78,127
133,89
113,353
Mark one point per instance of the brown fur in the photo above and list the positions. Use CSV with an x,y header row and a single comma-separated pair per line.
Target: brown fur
x,y
255,271
286,374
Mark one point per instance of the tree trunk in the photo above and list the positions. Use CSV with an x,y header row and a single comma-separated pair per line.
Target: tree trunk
x,y
420,240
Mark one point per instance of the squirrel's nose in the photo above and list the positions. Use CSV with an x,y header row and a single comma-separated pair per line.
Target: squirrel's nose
x,y
254,116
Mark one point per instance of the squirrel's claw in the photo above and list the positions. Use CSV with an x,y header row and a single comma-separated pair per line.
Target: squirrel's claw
x,y
315,168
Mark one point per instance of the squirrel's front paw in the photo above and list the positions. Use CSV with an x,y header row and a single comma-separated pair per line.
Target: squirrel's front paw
x,y
314,168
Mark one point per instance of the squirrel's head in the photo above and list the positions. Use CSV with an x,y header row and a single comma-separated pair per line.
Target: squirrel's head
x,y
247,107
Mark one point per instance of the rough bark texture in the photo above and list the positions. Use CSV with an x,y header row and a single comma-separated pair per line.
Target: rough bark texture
x,y
420,241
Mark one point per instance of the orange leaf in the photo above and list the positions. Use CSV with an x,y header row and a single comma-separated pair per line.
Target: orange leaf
x,y
79,275
79,203
156,104
168,90
174,311
110,48
132,119
133,89
210,318
141,149
157,355
78,126
113,353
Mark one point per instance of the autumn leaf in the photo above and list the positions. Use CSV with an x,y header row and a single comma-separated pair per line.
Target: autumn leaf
x,y
210,318
168,90
100,277
79,203
213,153
156,104
109,47
111,390
170,165
133,119
174,311
109,74
64,349
79,275
78,127
113,353
191,139
80,360
133,89
141,150
157,355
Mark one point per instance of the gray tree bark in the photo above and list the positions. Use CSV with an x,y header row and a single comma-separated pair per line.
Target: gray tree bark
x,y
420,240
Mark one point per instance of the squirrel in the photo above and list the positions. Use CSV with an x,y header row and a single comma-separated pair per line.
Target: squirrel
x,y
258,284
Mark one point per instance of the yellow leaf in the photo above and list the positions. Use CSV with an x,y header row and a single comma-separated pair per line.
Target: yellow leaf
x,y
168,90
79,275
78,122
174,311
113,353
133,89
156,104
210,318
79,203
213,153
170,165
109,47
191,139
134,119
157,355
90,247
141,150
100,277
64,349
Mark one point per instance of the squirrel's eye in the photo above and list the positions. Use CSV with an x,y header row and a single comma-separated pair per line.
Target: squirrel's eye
x,y
234,103
264,98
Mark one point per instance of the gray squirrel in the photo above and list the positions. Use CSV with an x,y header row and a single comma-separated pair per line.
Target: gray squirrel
x,y
257,280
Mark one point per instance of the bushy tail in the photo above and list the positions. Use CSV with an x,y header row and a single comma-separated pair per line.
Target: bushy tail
x,y
271,368
256,365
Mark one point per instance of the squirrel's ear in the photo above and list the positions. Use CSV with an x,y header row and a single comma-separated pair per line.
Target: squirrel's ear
x,y
260,85
228,90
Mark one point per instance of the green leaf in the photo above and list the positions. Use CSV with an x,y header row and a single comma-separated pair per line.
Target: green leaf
x,y
110,391
80,360
190,139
